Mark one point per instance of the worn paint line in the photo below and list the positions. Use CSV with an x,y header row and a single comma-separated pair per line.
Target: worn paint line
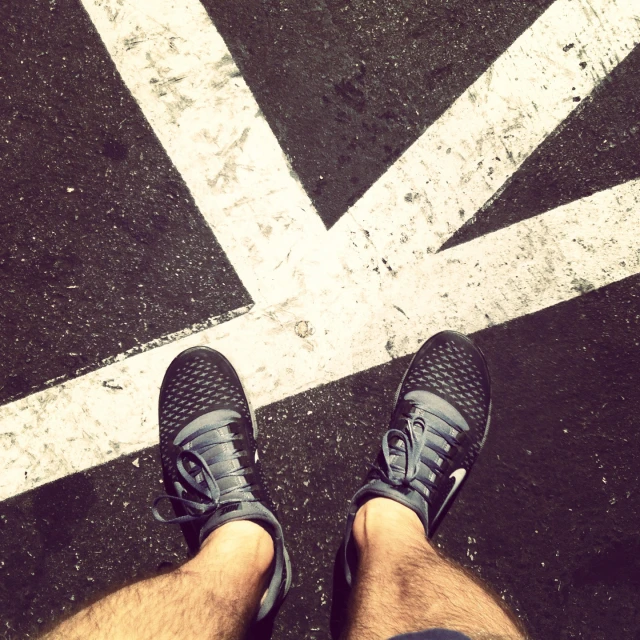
x,y
515,271
181,74
462,160
518,270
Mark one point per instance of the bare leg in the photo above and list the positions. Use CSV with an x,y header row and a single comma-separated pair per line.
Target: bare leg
x,y
403,585
214,595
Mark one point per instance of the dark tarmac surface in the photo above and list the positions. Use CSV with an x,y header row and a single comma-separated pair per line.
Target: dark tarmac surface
x,y
550,515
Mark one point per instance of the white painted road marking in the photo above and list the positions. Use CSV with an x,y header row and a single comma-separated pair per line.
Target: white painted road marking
x,y
180,72
465,158
529,266
361,316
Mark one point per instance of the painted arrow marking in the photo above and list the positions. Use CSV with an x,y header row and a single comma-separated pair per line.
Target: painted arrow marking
x,y
363,309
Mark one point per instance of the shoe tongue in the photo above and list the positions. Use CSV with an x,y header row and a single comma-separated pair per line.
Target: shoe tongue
x,y
437,406
206,420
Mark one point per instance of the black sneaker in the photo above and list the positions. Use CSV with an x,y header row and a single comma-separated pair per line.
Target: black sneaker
x,y
210,460
438,427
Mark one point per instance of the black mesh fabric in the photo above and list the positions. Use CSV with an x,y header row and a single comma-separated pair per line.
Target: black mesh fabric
x,y
196,384
449,366
199,381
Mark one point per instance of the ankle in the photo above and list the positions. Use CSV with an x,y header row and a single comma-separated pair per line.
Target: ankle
x,y
241,546
386,525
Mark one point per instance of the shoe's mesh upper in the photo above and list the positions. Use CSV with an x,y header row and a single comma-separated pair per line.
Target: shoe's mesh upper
x,y
454,370
197,386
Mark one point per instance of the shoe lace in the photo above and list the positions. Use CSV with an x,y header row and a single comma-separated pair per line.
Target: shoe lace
x,y
409,444
193,466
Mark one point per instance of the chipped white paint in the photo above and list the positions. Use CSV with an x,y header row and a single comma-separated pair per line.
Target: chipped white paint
x,y
464,159
180,72
515,271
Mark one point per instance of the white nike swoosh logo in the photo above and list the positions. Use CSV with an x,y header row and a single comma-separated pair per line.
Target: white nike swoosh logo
x,y
458,476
